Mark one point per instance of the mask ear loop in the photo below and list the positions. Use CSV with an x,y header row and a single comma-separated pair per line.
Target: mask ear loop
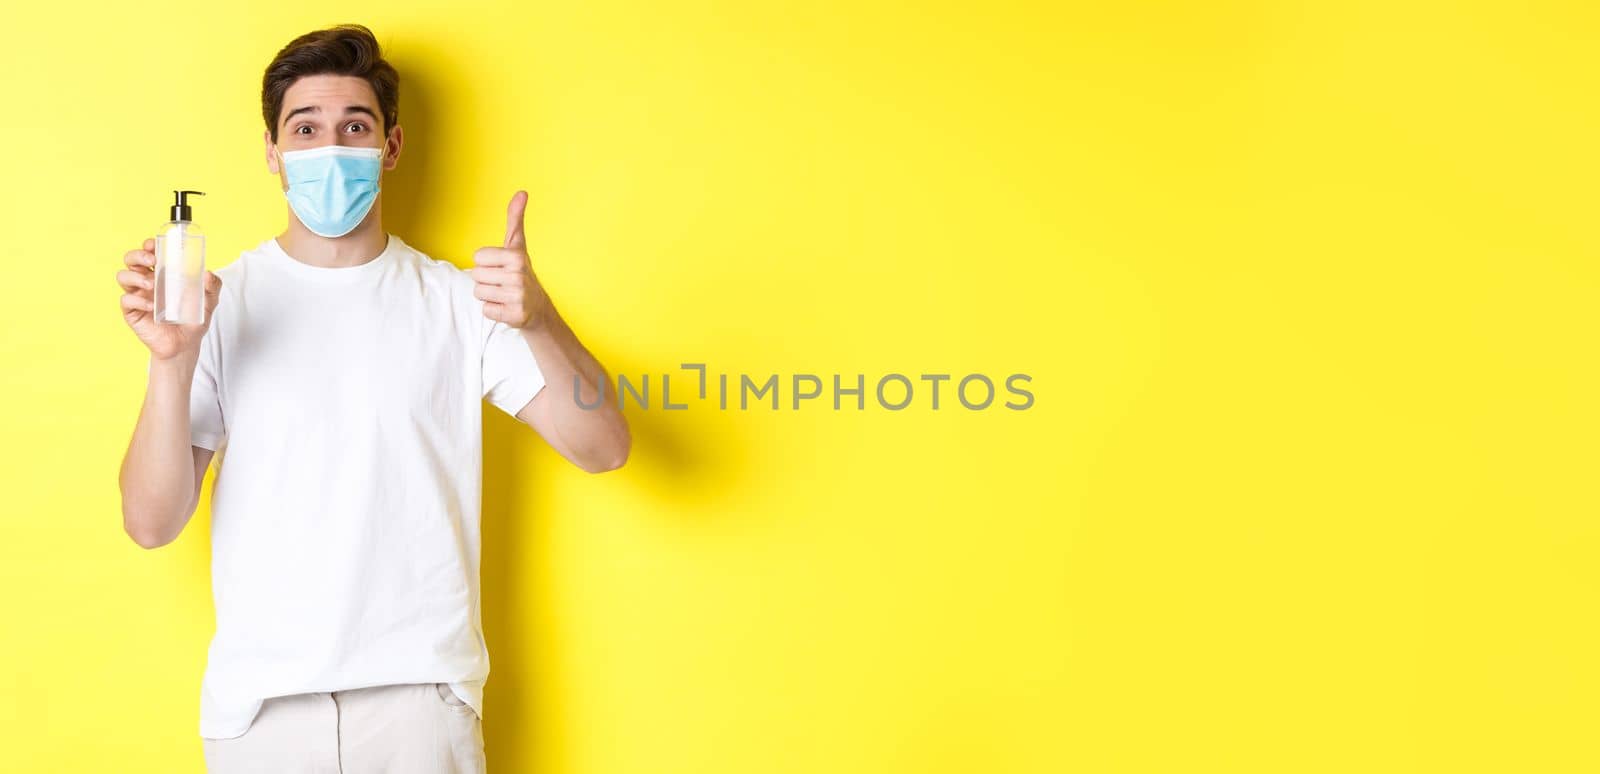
x,y
282,168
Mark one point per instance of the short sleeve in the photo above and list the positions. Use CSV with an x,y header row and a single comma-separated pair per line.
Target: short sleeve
x,y
511,375
206,427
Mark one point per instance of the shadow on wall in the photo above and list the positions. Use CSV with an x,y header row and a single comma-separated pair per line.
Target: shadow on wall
x,y
680,460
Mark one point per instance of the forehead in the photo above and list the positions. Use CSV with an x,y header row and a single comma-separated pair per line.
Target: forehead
x,y
331,93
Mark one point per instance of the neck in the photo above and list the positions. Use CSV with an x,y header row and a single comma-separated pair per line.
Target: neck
x,y
362,244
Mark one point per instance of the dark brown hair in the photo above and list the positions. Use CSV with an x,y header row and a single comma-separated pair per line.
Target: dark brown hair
x,y
348,49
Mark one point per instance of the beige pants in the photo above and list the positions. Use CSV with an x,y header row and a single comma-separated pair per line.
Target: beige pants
x,y
414,728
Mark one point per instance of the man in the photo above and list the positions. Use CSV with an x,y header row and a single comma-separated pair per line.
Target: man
x,y
339,379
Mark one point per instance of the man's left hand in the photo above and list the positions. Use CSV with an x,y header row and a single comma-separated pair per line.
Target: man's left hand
x,y
504,276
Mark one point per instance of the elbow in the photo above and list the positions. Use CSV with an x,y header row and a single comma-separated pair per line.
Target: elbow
x,y
612,458
145,536
149,518
146,529
606,463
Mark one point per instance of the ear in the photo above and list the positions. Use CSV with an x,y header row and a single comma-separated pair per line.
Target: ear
x,y
272,158
391,148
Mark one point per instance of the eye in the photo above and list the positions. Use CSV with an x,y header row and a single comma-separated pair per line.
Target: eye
x,y
356,125
303,129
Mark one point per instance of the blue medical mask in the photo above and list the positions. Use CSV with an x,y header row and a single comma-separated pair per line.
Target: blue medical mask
x,y
332,187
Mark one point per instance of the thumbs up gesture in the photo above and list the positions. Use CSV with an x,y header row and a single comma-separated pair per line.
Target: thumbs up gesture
x,y
504,276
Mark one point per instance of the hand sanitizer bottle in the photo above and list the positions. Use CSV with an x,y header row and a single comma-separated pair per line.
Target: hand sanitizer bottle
x,y
180,292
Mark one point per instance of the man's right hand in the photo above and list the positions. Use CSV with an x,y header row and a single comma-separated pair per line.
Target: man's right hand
x,y
165,340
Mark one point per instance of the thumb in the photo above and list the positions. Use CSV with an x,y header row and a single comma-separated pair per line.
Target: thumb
x,y
213,290
514,238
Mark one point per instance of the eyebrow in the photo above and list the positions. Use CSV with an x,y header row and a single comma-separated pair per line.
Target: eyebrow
x,y
348,109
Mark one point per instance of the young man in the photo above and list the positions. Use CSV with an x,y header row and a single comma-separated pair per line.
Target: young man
x,y
341,375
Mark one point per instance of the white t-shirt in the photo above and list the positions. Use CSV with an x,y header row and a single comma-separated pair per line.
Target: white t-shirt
x,y
345,406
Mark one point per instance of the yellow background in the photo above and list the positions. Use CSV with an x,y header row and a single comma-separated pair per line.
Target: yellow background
x,y
1307,291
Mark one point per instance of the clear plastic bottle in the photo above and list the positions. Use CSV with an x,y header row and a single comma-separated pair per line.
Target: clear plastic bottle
x,y
180,292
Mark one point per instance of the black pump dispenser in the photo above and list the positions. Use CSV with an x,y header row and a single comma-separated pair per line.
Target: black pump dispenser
x,y
180,205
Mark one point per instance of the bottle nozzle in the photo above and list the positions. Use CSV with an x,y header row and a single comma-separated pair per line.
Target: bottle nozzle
x,y
180,205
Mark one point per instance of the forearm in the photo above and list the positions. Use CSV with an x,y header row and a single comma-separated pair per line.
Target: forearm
x,y
157,477
585,419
